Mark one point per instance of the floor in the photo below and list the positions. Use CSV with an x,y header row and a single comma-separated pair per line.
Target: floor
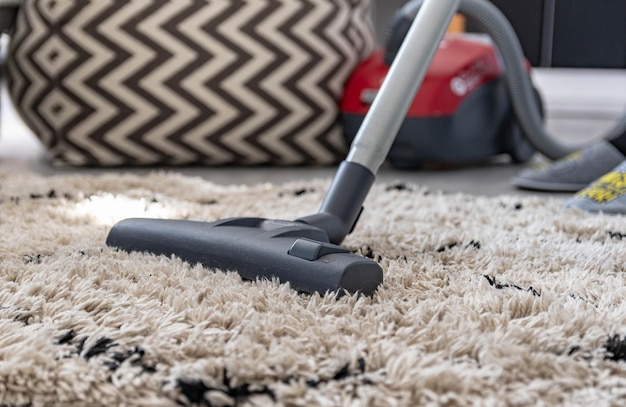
x,y
581,106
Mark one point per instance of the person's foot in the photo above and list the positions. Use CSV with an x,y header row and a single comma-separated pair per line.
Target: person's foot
x,y
571,173
606,195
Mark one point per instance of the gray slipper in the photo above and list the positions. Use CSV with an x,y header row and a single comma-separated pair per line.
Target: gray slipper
x,y
606,195
572,173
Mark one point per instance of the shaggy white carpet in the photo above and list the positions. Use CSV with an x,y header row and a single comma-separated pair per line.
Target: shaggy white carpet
x,y
486,301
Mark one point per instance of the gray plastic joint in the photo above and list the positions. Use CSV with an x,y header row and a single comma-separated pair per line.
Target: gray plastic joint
x,y
344,201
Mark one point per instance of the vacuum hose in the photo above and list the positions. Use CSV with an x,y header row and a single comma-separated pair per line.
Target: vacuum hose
x,y
489,18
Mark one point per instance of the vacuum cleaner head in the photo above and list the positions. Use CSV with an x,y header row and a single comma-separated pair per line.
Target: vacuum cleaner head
x,y
291,252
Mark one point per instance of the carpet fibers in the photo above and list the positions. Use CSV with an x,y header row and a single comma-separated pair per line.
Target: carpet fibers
x,y
506,301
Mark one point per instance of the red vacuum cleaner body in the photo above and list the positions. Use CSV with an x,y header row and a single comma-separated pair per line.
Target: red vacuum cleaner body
x,y
461,114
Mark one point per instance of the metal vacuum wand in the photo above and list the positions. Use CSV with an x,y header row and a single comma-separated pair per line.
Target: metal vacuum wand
x,y
343,203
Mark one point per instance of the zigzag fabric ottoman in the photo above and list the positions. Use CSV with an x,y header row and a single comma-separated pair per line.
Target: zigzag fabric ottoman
x,y
182,82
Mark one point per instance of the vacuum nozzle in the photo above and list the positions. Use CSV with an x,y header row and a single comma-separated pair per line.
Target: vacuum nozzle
x,y
256,248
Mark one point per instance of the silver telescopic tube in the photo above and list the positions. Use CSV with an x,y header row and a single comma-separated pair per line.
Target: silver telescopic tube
x,y
384,118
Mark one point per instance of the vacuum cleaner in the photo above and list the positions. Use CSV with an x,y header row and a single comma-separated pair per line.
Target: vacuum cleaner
x,y
306,252
462,112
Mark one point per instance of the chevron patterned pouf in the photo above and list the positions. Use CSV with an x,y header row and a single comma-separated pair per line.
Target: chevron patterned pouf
x,y
180,82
